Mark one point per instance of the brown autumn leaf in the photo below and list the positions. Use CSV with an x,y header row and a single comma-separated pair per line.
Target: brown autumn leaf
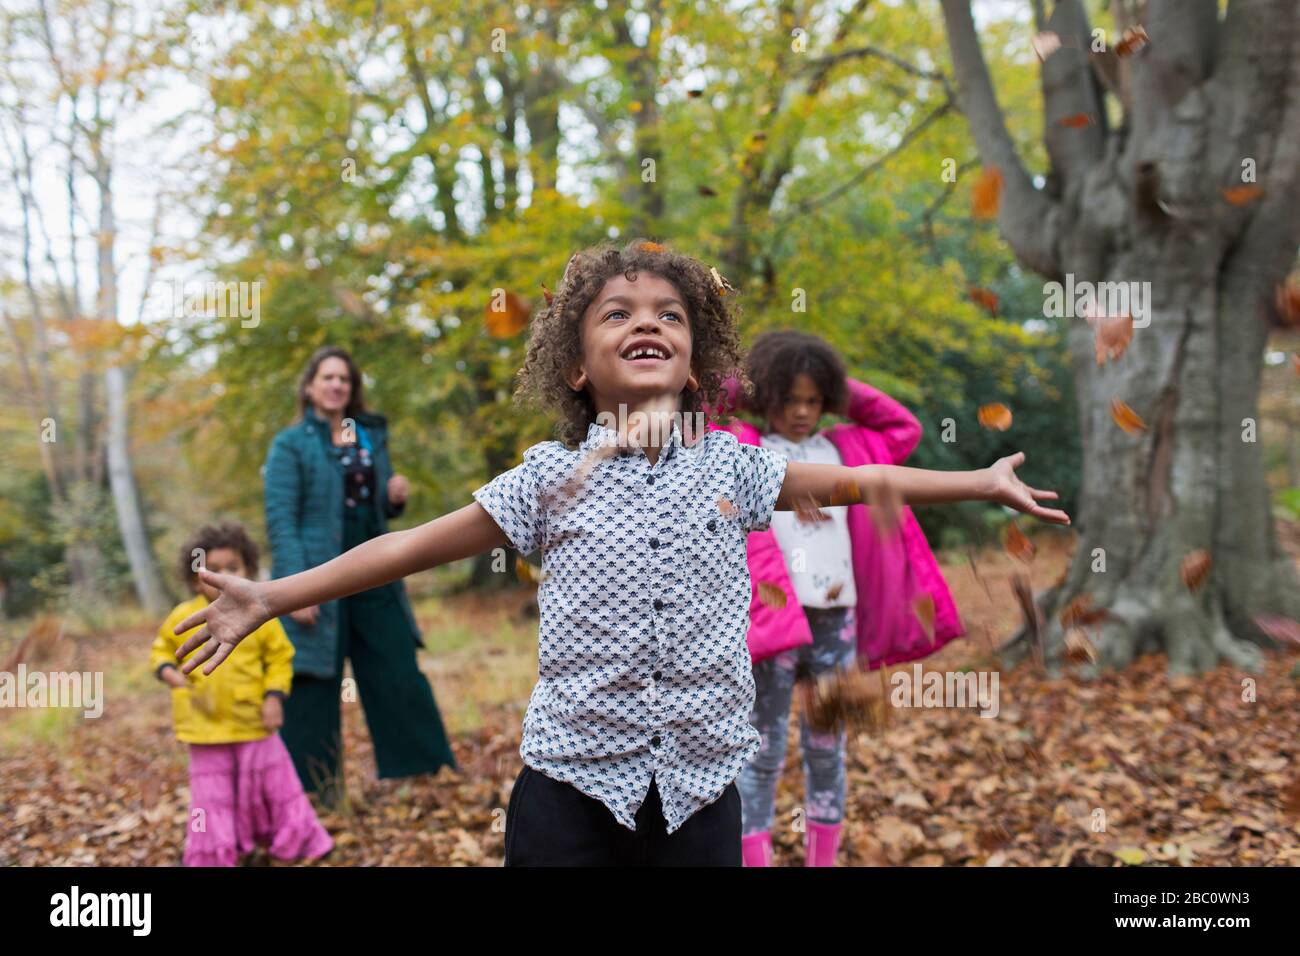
x,y
842,698
1295,362
995,416
834,590
546,293
1278,627
1240,195
772,595
1017,544
1078,648
506,315
1112,337
721,285
987,193
807,512
1288,303
923,607
652,247
1076,120
706,190
1125,417
984,298
1195,569
846,493
1031,616
1080,612
694,93
1132,40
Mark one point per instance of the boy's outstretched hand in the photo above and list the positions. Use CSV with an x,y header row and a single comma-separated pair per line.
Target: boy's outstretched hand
x,y
1009,490
239,610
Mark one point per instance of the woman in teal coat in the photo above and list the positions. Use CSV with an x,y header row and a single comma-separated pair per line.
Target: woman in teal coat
x,y
329,486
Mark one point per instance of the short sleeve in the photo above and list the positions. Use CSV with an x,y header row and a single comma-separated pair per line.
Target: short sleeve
x,y
512,499
760,473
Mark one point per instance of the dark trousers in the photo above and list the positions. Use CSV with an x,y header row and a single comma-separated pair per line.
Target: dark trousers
x,y
400,711
549,823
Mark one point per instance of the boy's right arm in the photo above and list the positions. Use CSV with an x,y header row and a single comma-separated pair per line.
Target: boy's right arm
x,y
243,605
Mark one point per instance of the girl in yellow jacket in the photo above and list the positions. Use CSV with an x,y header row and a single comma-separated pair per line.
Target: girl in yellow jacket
x,y
244,791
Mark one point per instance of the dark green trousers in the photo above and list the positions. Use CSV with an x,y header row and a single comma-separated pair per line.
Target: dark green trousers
x,y
400,710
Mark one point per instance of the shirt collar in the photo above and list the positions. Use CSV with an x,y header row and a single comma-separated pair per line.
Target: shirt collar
x,y
599,435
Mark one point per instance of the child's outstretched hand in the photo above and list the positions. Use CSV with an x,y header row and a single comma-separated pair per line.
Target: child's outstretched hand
x,y
239,610
1009,490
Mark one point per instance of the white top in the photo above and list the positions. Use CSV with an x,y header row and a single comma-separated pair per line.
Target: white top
x,y
818,556
643,669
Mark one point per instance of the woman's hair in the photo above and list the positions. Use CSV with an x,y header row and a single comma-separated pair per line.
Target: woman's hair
x,y
555,339
221,534
776,359
356,400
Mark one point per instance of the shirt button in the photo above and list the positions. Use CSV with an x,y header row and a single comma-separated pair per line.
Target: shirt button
x,y
654,741
658,605
654,542
650,480
712,525
658,674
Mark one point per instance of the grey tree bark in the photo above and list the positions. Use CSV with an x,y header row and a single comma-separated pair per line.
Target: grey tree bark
x,y
1208,100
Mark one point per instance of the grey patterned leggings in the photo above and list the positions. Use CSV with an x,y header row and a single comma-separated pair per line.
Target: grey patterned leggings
x,y
834,634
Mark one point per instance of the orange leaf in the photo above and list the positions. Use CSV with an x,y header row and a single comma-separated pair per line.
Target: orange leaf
x,y
1195,569
727,508
923,606
506,315
772,595
1240,195
846,493
1076,120
995,416
1080,612
987,193
1132,40
1288,303
834,590
1295,361
546,293
1078,648
1016,544
652,247
1112,337
983,297
1125,417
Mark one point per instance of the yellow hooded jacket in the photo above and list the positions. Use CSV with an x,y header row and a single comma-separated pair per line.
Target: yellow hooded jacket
x,y
225,707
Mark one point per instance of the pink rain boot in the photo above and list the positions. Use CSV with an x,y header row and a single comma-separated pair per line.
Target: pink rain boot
x,y
822,844
756,848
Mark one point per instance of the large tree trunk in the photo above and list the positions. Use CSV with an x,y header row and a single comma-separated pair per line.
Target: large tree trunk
x,y
1144,203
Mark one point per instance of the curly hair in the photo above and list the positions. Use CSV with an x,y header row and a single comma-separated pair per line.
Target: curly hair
x,y
776,359
555,337
210,537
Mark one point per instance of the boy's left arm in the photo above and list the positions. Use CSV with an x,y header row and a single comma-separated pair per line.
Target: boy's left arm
x,y
887,487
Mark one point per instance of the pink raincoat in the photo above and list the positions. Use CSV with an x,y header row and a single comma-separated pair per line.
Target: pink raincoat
x,y
889,575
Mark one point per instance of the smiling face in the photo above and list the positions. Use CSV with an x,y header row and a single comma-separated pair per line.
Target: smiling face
x,y
331,387
636,344
802,410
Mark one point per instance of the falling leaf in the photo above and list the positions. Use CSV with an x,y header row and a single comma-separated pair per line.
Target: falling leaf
x,y
1288,303
528,573
727,508
1045,44
652,247
772,595
1030,614
1278,627
995,416
1076,120
970,556
509,320
694,94
1017,544
1078,648
985,299
846,493
842,698
546,293
923,606
706,190
1132,40
720,283
987,193
1195,569
807,512
834,590
1125,417
1112,336
1240,195
1081,612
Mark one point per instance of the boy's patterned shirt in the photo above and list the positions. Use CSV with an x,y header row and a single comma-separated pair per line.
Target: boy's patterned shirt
x,y
643,667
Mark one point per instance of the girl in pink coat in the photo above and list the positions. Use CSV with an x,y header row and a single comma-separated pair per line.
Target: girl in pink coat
x,y
849,592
